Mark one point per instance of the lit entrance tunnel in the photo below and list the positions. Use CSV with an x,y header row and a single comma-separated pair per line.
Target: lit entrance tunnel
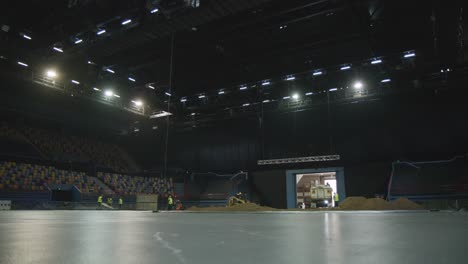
x,y
314,187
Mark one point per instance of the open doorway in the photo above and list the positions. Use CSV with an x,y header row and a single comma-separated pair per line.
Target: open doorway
x,y
315,189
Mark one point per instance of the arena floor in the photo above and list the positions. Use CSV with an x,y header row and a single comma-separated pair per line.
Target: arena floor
x,y
201,238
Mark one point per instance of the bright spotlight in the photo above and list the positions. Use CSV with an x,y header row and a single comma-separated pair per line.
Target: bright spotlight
x,y
58,49
376,61
75,82
409,55
131,79
243,88
246,104
151,87
309,93
154,11
183,100
317,73
100,32
109,70
168,94
358,85
78,41
295,96
290,78
138,103
22,64
108,93
125,22
344,68
51,74
265,83
221,92
26,37
385,80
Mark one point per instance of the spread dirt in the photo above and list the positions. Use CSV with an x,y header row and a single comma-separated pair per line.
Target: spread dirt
x,y
350,203
237,207
361,203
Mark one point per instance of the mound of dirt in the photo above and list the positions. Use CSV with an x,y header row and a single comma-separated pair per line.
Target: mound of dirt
x,y
405,204
353,203
361,203
235,208
376,204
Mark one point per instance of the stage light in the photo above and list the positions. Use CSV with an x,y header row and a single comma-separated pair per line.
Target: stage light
x,y
376,61
154,10
183,100
333,89
90,62
266,101
409,55
246,104
138,103
78,41
131,79
168,94
358,85
160,114
116,95
295,96
243,88
290,78
221,92
344,68
385,80
51,74
125,22
286,97
108,93
317,73
265,83
22,64
100,32
26,37
201,96
109,70
192,114
58,49
309,93
75,82
96,89
151,87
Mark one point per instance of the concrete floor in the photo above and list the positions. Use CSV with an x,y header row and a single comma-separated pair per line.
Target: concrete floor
x,y
142,237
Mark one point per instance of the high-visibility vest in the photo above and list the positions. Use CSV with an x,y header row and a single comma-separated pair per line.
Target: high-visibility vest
x,y
336,198
99,199
120,201
170,201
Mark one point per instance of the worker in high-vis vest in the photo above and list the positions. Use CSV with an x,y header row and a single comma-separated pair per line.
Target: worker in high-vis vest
x,y
120,202
99,200
336,198
170,202
109,201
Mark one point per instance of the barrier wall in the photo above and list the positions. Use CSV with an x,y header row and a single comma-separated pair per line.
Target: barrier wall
x,y
5,205
147,202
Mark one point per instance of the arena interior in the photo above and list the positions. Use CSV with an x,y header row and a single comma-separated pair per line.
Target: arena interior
x,y
233,131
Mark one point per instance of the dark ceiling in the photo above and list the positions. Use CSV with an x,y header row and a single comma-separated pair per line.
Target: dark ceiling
x,y
221,43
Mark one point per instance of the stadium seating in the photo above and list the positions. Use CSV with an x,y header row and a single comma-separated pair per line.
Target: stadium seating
x,y
27,177
131,185
62,147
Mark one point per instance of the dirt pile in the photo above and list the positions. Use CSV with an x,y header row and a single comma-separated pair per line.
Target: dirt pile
x,y
235,208
405,204
361,203
353,203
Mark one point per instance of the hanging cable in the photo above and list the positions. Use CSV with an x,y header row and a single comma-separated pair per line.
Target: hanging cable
x,y
171,69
